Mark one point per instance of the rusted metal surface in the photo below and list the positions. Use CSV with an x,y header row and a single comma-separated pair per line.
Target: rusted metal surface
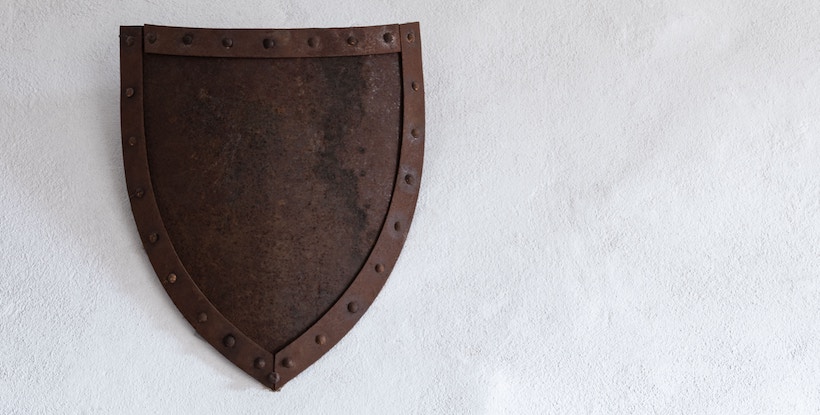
x,y
273,175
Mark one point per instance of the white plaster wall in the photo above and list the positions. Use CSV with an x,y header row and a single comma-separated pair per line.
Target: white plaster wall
x,y
620,213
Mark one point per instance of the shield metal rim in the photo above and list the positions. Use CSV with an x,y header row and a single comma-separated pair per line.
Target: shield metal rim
x,y
274,371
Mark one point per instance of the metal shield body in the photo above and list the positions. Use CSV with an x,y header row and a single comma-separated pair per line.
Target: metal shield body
x,y
273,175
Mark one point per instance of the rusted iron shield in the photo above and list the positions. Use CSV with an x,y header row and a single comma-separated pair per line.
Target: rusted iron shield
x,y
273,175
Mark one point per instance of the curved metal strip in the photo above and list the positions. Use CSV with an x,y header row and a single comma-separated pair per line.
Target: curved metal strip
x,y
195,307
323,335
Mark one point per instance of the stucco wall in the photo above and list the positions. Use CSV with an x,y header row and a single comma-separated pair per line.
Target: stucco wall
x,y
620,213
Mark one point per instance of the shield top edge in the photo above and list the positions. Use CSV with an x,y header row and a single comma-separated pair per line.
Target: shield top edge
x,y
272,43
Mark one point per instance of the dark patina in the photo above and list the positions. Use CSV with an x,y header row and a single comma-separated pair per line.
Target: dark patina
x,y
273,175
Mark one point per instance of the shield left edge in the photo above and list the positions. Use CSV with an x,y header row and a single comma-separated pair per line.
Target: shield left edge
x,y
194,306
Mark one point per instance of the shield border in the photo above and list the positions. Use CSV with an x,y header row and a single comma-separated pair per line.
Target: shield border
x,y
269,369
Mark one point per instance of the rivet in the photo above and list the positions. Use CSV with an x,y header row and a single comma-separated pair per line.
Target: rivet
x,y
321,339
227,42
132,141
129,40
273,377
352,41
202,317
139,193
287,362
312,42
153,238
379,268
129,92
411,37
259,363
172,278
388,37
188,39
353,306
229,340
152,37
397,226
268,43
408,178
415,133
415,86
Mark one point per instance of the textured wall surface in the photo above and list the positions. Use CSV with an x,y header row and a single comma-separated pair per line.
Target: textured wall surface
x,y
620,213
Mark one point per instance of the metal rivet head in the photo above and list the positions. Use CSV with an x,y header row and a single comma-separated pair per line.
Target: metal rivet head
x,y
287,362
415,86
132,141
411,37
153,238
202,317
172,278
129,40
415,133
152,37
259,363
353,306
321,339
139,193
227,42
409,179
129,92
388,37
268,43
397,226
229,341
379,268
273,377
188,39
313,42
352,41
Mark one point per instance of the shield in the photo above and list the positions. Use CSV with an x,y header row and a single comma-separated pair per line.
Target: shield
x,y
273,175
